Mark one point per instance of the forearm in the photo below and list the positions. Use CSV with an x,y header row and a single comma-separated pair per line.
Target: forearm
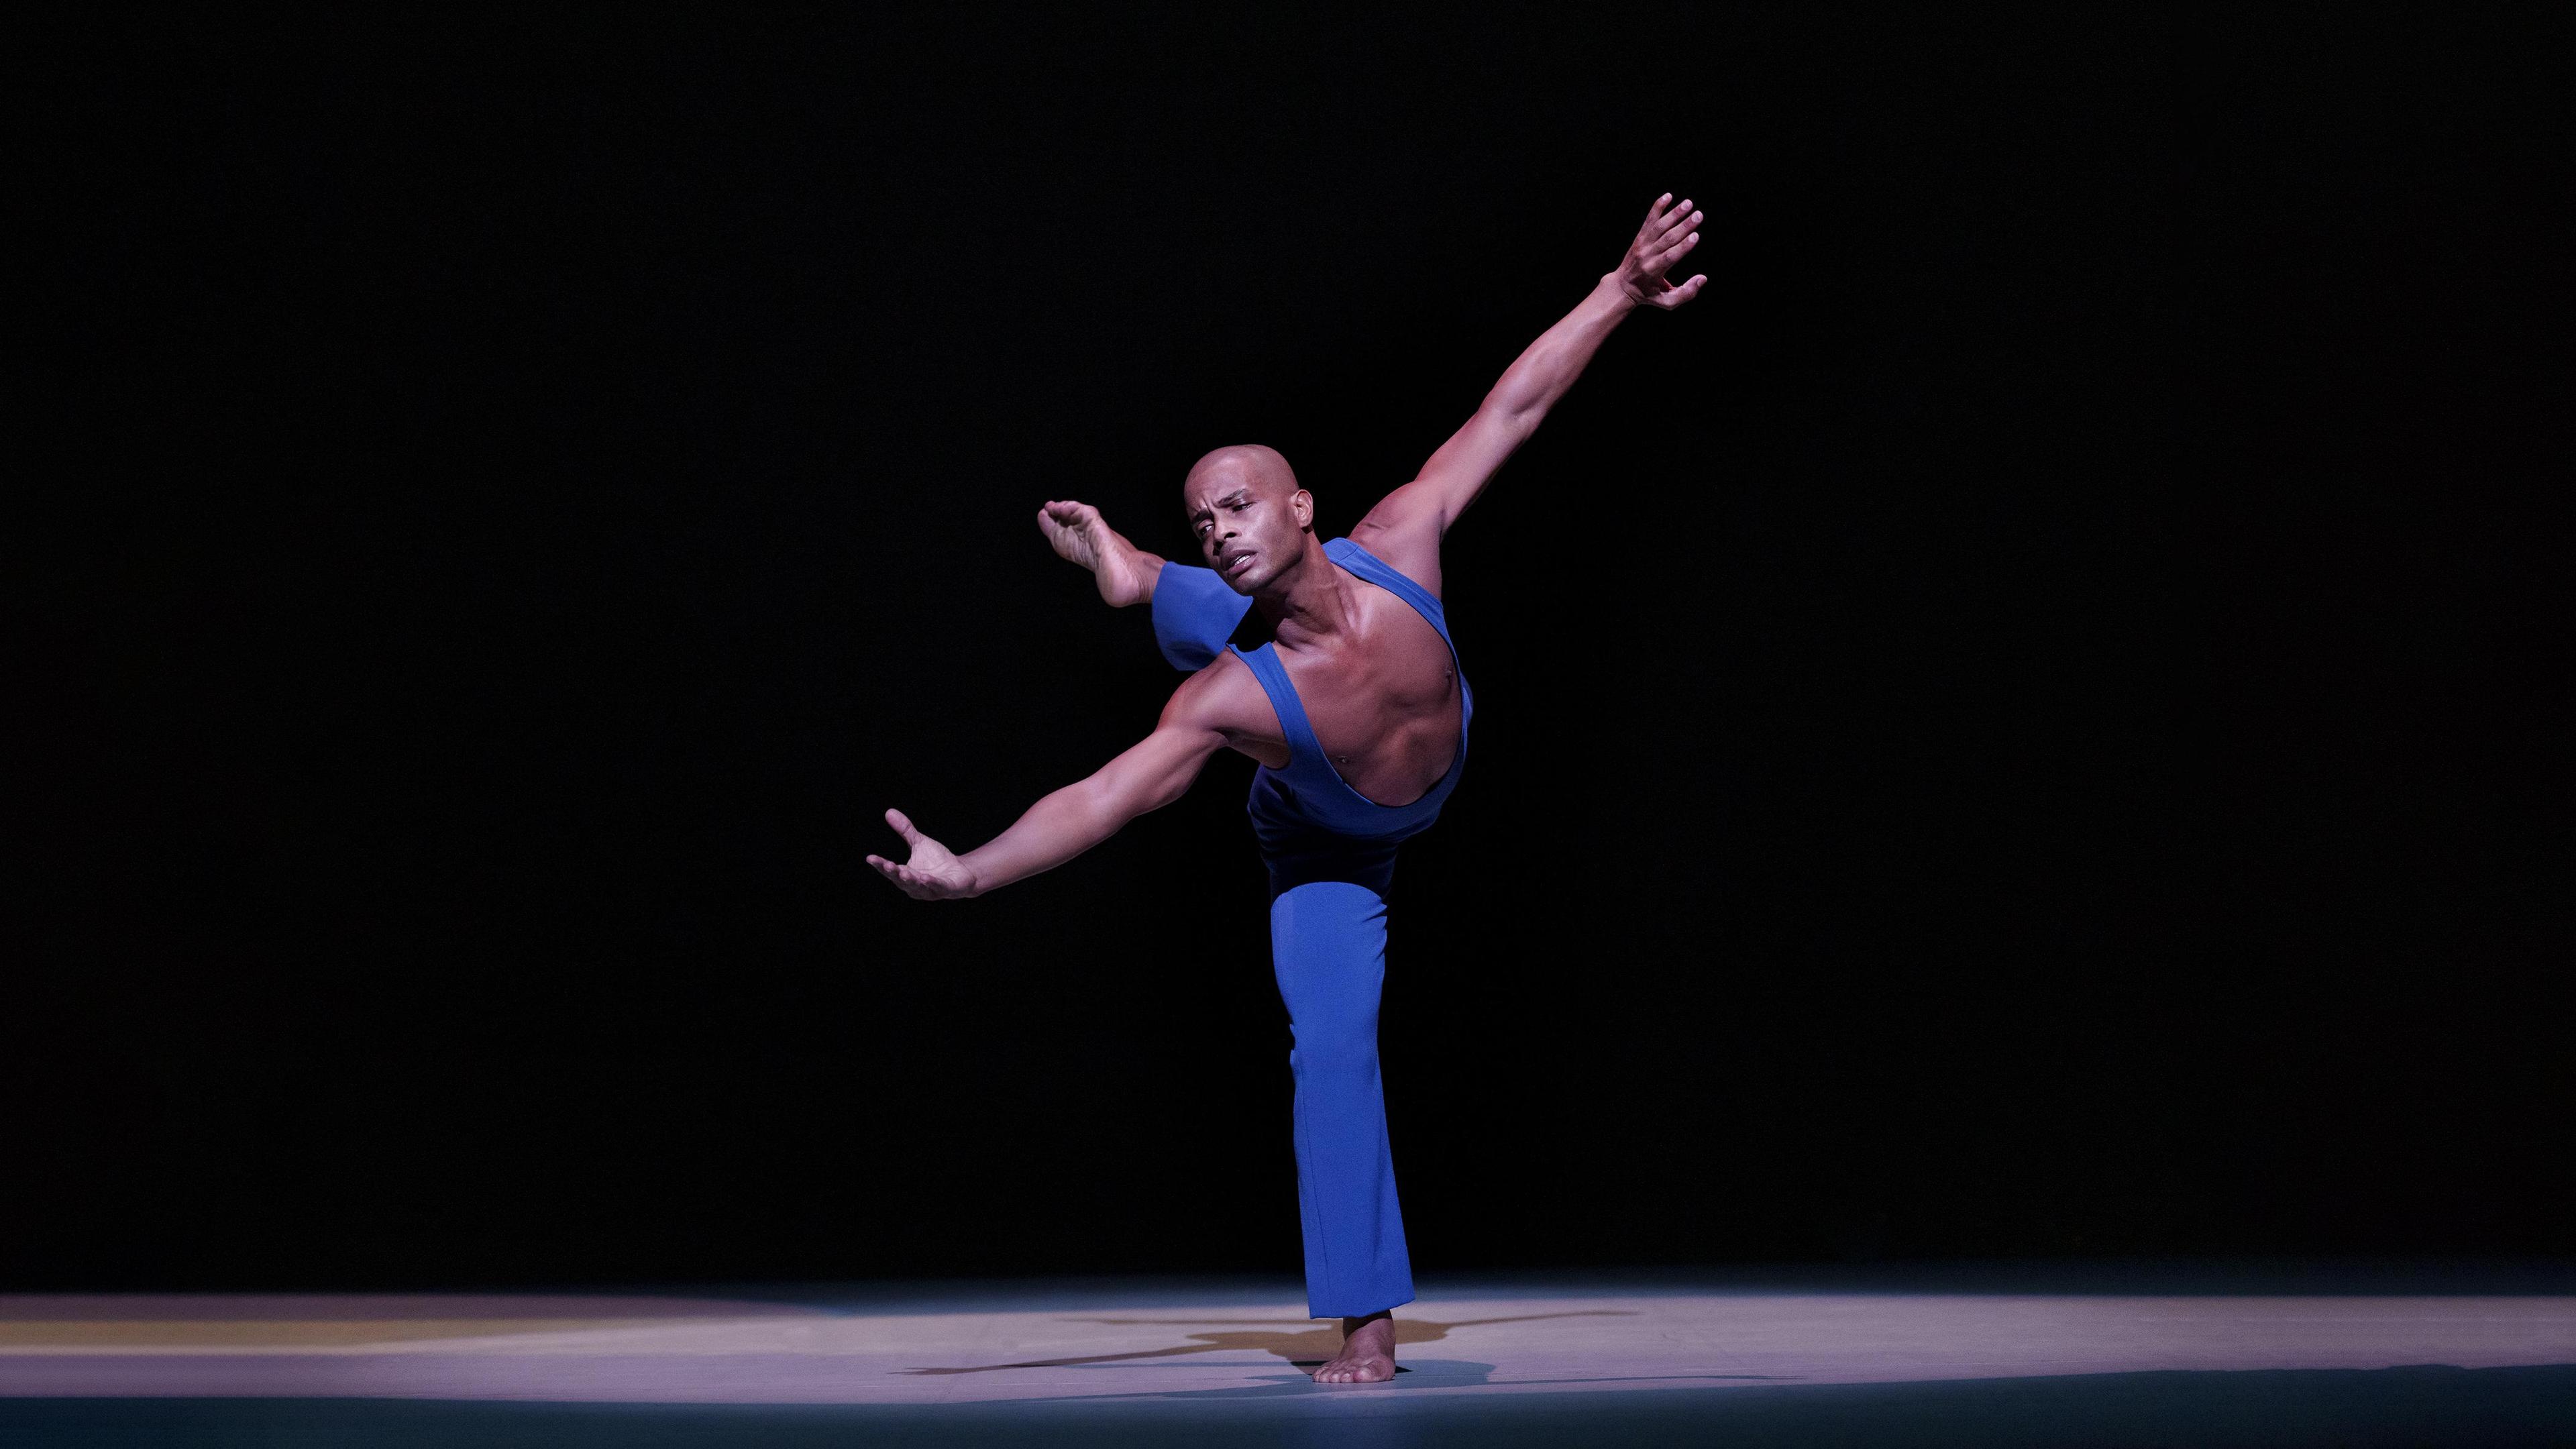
x,y
1059,827
1547,367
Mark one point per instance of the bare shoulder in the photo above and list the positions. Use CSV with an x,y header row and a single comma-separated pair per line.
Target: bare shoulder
x,y
1404,530
1224,697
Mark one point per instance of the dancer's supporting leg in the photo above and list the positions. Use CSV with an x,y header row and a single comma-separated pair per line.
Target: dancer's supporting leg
x,y
1328,947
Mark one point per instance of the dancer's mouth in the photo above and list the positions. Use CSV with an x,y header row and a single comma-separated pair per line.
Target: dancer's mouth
x,y
1238,561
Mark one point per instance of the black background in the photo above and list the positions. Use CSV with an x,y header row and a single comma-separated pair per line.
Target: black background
x,y
2017,724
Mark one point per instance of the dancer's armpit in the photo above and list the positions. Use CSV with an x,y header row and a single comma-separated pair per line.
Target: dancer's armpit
x,y
1226,698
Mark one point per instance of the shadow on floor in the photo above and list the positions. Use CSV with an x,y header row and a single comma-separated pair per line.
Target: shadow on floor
x,y
1311,1343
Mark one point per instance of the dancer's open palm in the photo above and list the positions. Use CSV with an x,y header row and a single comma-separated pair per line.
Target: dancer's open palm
x,y
1668,236
932,874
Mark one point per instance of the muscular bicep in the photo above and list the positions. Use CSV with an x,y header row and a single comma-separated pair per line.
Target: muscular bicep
x,y
1158,769
1407,525
1221,705
1405,529
1456,474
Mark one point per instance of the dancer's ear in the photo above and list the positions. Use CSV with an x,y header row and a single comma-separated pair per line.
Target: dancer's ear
x,y
1303,503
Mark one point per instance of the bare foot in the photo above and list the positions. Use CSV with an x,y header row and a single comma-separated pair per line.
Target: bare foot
x,y
1124,572
1368,1351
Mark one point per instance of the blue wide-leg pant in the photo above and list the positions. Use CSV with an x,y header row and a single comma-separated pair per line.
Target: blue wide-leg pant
x,y
1328,898
1328,948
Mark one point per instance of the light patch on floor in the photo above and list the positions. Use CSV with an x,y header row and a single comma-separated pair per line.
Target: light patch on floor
x,y
679,1349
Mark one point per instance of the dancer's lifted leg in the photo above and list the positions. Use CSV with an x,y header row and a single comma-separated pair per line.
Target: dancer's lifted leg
x,y
1124,572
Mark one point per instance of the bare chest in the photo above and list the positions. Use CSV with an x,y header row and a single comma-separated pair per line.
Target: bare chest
x,y
1384,703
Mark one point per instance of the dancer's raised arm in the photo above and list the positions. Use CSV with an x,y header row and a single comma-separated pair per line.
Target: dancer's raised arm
x,y
1406,526
1204,715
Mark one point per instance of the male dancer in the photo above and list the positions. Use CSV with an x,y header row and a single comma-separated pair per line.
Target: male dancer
x,y
1358,713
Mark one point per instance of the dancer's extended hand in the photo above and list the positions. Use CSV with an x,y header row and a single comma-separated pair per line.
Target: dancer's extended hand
x,y
933,874
1667,237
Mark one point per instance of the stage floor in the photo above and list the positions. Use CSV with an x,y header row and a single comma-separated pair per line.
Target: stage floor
x,y
1958,1360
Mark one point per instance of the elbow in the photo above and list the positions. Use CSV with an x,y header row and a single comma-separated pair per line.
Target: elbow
x,y
1510,399
1517,413
1114,808
1173,784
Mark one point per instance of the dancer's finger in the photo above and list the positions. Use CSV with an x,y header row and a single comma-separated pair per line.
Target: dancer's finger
x,y
903,826
1654,221
1680,216
1671,254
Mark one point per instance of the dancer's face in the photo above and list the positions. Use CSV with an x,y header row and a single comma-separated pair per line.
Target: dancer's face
x,y
1248,527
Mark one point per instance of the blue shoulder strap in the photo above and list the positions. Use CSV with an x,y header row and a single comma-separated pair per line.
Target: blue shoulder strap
x,y
1195,613
1385,575
1273,675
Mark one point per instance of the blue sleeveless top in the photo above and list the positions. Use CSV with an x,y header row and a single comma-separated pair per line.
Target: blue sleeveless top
x,y
1309,797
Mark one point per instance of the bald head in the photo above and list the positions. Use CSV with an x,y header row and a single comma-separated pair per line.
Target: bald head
x,y
1242,463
